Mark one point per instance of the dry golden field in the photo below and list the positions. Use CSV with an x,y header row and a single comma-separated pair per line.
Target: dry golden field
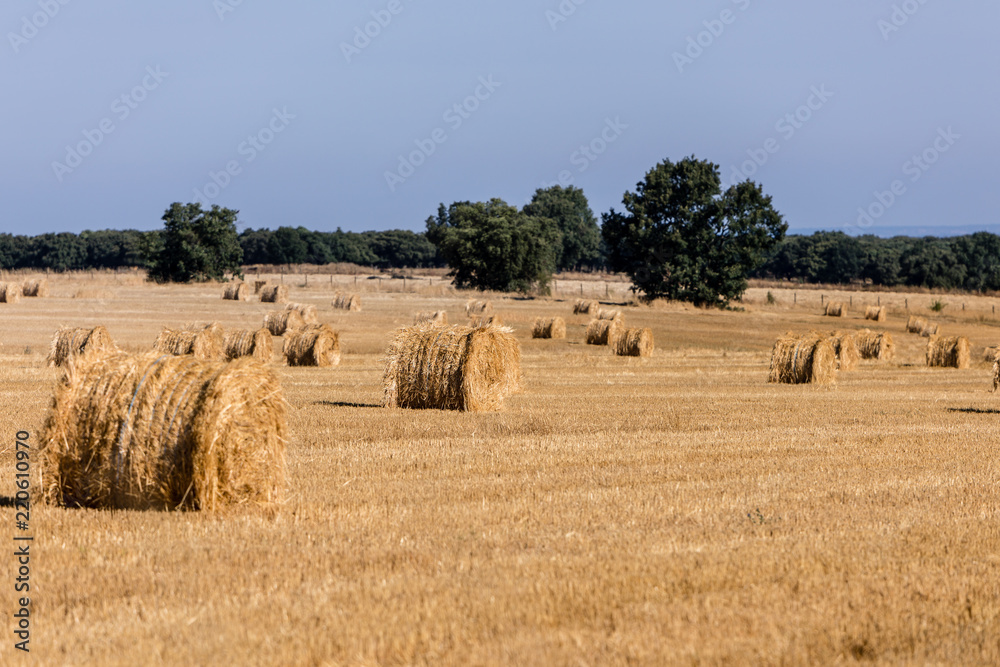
x,y
675,509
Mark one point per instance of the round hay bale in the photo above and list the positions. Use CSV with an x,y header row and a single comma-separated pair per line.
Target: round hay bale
x,y
10,292
877,346
437,318
317,345
69,342
835,309
258,285
350,302
802,359
308,312
950,352
476,307
278,322
636,342
453,368
604,332
243,343
846,348
603,314
548,327
990,354
875,313
930,329
585,307
206,344
236,291
486,321
35,288
915,324
155,431
273,294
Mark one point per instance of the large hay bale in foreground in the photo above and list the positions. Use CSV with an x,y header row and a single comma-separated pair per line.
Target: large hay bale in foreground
x,y
803,359
846,348
349,302
436,317
453,368
875,313
477,307
205,344
604,332
154,431
243,343
636,342
236,291
307,311
69,342
317,345
548,327
585,307
273,294
278,322
930,329
35,288
950,352
876,345
10,292
835,309
915,324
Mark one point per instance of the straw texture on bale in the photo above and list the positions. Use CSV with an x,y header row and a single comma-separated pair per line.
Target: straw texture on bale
x,y
437,318
307,311
486,321
609,314
453,368
317,345
803,359
846,348
996,374
10,292
476,307
258,285
930,329
875,313
584,307
350,302
69,342
155,431
548,327
205,344
990,354
636,342
243,343
236,291
278,322
835,309
876,345
274,294
604,332
950,352
39,288
915,324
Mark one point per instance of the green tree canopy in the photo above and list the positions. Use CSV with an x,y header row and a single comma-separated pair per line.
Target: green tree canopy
x,y
581,237
682,238
196,245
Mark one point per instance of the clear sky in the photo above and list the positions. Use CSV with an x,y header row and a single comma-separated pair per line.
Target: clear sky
x,y
113,110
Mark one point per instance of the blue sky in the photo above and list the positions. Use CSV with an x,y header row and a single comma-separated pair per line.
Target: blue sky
x,y
292,114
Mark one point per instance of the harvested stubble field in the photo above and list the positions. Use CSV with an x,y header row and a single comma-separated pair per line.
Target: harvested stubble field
x,y
675,509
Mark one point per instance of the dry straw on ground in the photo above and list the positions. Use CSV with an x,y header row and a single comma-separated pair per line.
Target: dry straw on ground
x,y
875,313
453,368
950,352
205,344
350,302
94,293
915,324
846,348
585,307
39,288
486,321
243,343
548,327
278,322
10,292
803,359
307,311
155,431
69,342
930,329
876,345
637,342
436,317
273,294
604,332
835,309
477,307
317,345
236,291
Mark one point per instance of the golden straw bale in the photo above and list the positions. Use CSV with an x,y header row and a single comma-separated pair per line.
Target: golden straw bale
x,y
69,342
990,354
548,327
930,329
876,345
243,343
317,345
603,314
636,342
258,285
39,288
950,352
10,292
236,291
349,302
476,307
915,324
584,307
846,348
274,294
835,309
451,368
155,431
875,313
436,317
486,321
205,344
307,311
802,359
996,373
604,332
278,322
